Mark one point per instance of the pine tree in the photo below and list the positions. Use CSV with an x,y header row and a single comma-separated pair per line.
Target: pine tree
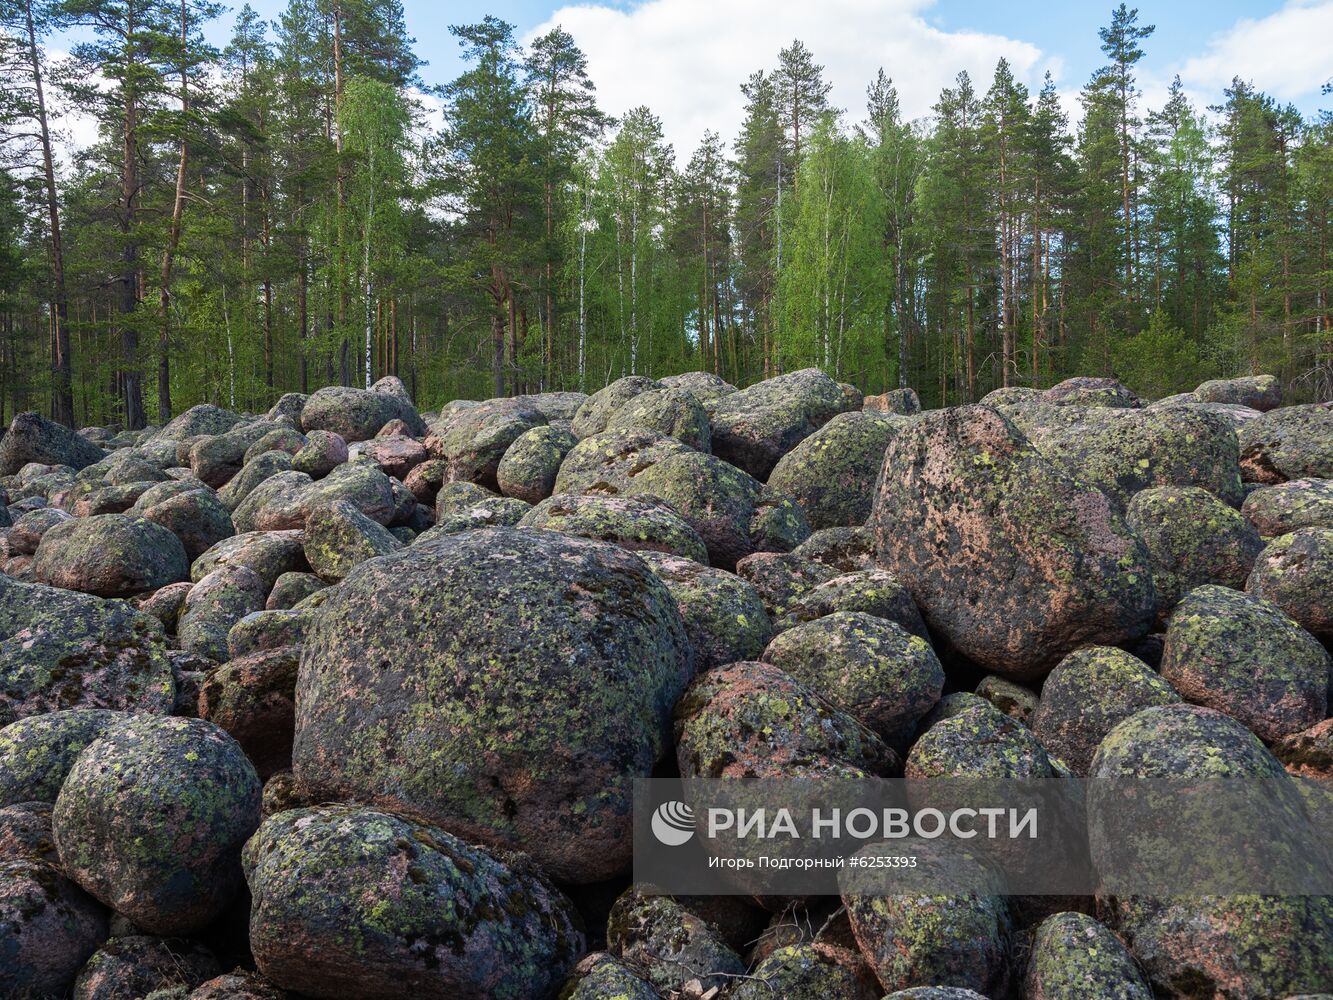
x,y
1005,130
760,151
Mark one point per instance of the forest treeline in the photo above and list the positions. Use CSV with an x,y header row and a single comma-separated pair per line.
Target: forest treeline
x,y
290,212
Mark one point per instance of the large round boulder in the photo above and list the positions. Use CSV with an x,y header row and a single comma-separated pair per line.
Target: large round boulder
x,y
1295,572
338,537
754,427
1258,392
831,474
754,720
1286,507
872,592
131,966
48,928
1241,655
59,649
1012,563
724,617
1123,451
357,414
473,441
353,902
1219,945
1088,694
608,462
671,944
636,523
1073,957
33,438
873,669
151,819
191,512
1294,442
733,513
530,465
596,411
705,385
110,555
677,413
1192,539
509,684
37,752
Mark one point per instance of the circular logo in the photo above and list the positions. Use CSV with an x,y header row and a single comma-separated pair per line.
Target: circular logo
x,y
673,823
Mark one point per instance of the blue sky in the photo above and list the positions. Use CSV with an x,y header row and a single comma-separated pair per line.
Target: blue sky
x,y
686,58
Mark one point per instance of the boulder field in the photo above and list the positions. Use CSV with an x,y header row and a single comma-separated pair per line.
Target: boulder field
x,y
347,700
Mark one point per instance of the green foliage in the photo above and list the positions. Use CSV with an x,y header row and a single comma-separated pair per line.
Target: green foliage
x,y
334,231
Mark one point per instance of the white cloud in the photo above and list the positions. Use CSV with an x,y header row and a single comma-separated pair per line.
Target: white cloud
x,y
1285,54
686,59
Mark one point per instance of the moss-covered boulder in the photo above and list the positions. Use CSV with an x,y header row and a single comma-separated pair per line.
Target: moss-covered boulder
x,y
872,592
268,553
782,578
1123,451
322,452
1074,957
33,438
216,460
979,742
195,515
831,474
935,993
608,462
903,402
203,418
276,504
473,441
151,819
1086,390
756,720
289,589
60,649
1014,700
535,683
1218,946
1192,539
254,472
1287,507
37,752
1258,392
362,485
668,943
1241,655
922,939
596,411
339,537
705,385
636,523
724,617
285,439
1088,694
733,513
1295,572
810,971
48,928
1011,562
530,465
395,455
25,534
756,426
91,500
269,629
1307,754
356,414
491,512
353,902
848,550
873,669
675,412
110,555
602,976
214,605
1294,442
254,699
131,966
